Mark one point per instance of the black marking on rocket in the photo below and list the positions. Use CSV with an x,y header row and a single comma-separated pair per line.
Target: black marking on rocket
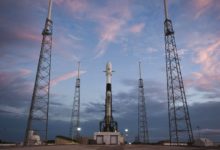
x,y
108,124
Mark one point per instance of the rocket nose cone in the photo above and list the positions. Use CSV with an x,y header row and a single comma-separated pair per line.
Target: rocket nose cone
x,y
109,66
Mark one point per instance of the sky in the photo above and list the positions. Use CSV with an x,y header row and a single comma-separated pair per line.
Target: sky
x,y
123,32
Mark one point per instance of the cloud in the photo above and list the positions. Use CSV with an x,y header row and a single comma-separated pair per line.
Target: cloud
x,y
108,35
207,78
112,19
125,113
15,92
67,45
25,72
74,5
10,110
65,77
28,36
16,36
210,131
137,28
202,6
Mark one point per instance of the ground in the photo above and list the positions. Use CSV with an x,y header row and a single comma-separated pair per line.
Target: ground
x,y
95,147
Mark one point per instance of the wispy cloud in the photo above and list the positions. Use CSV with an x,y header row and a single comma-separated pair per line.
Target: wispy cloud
x,y
207,79
12,110
112,19
108,35
28,36
65,76
25,72
202,6
137,28
74,5
67,45
210,131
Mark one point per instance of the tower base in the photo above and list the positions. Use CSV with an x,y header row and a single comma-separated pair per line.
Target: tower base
x,y
108,138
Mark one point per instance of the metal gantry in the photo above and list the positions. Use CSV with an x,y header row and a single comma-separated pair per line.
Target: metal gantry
x,y
142,114
180,129
38,114
75,117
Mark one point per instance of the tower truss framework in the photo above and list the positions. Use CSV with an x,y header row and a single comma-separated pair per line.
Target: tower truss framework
x,y
75,117
180,129
143,136
38,113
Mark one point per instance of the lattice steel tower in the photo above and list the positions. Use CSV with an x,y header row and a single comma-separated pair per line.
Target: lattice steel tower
x,y
142,114
180,129
75,118
38,115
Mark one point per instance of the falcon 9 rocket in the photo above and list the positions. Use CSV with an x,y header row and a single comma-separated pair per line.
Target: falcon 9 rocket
x,y
108,124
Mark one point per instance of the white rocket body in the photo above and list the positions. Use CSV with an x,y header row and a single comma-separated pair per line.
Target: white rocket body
x,y
108,124
109,73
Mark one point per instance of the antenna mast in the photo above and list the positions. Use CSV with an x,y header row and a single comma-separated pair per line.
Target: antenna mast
x,y
78,69
165,9
140,69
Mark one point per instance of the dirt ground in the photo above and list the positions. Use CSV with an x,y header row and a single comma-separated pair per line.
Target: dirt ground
x,y
96,147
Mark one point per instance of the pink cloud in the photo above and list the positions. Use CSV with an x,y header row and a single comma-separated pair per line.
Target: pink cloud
x,y
108,35
25,72
64,77
208,56
74,5
201,6
16,80
111,18
137,28
67,45
28,36
208,78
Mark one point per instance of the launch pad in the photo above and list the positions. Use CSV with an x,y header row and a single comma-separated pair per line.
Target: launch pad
x,y
108,138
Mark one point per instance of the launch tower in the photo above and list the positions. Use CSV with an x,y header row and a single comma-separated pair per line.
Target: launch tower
x,y
75,118
142,114
38,114
180,129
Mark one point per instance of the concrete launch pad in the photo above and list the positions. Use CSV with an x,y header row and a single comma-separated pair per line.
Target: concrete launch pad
x,y
108,138
101,147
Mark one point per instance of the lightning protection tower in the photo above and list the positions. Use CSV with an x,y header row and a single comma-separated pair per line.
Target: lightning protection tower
x,y
75,118
142,114
38,115
180,129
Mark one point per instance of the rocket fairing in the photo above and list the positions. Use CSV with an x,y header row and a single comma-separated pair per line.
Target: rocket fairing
x,y
108,73
108,125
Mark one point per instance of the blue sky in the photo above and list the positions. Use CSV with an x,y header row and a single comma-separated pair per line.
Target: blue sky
x,y
123,32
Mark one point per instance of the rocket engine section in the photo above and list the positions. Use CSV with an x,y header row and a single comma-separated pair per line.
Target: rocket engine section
x,y
108,124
